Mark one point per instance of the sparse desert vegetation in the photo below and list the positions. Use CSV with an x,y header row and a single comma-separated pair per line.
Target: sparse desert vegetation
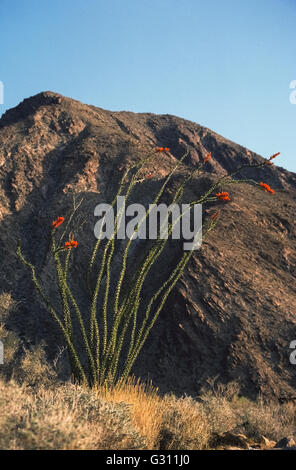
x,y
38,411
94,410
67,416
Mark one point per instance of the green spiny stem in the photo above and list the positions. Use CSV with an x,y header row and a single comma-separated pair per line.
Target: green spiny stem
x,y
125,255
107,288
94,326
75,208
153,298
97,245
138,165
117,223
177,273
115,359
139,285
62,289
84,335
93,322
131,185
52,312
223,180
151,260
134,314
64,297
126,306
143,270
93,319
67,262
242,181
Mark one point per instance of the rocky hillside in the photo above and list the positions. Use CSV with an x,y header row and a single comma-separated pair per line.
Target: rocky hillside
x,y
233,313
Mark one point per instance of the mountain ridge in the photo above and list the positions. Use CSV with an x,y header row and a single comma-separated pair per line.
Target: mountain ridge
x,y
235,303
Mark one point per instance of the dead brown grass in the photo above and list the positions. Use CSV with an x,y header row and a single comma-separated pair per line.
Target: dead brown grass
x,y
39,412
146,409
184,424
133,417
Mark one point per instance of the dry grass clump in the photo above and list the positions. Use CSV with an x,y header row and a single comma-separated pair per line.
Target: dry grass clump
x,y
265,417
217,403
130,417
145,406
67,418
9,338
184,424
7,305
28,366
38,412
227,411
33,369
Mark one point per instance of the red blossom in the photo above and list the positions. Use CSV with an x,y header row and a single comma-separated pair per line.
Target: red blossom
x,y
162,149
70,244
57,222
273,156
267,188
224,196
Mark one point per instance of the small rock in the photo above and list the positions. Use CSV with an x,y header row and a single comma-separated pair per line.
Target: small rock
x,y
265,443
229,439
286,443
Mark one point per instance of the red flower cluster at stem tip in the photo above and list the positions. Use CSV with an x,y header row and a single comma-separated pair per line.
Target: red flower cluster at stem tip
x,y
274,155
71,244
57,222
208,157
162,149
149,175
267,188
224,196
268,161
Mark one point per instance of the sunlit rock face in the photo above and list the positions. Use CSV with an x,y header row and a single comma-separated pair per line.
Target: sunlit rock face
x,y
232,314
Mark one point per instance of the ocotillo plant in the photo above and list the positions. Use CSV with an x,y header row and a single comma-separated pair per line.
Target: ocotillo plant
x,y
103,341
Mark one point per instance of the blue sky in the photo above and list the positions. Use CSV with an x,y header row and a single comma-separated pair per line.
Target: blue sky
x,y
226,64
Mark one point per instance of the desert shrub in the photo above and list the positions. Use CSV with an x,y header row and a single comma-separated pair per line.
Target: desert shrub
x,y
7,306
145,406
9,339
268,418
66,417
73,417
119,431
227,411
25,365
217,403
184,424
33,368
